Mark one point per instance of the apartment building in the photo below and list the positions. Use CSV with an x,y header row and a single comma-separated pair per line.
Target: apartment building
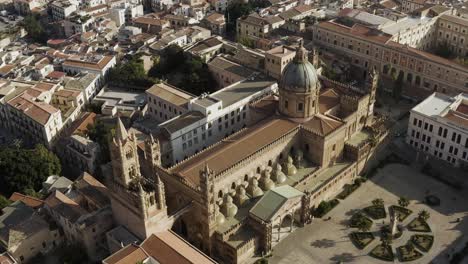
x,y
93,63
84,214
366,48
453,31
276,60
438,127
35,121
409,6
61,9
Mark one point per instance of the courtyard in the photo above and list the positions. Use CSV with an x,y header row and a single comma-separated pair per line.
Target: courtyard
x,y
327,241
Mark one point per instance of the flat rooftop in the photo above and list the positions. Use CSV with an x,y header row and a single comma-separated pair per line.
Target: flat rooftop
x,y
401,25
170,94
434,105
182,121
237,92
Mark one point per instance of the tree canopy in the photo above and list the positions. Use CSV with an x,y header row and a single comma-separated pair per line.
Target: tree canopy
x,y
181,70
4,202
35,29
24,169
101,133
238,9
130,72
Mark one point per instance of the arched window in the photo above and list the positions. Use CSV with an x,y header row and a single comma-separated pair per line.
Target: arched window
x,y
220,194
300,107
385,69
418,81
233,186
246,178
409,77
270,163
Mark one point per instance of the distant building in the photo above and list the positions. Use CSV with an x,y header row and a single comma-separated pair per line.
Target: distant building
x,y
84,214
438,127
24,233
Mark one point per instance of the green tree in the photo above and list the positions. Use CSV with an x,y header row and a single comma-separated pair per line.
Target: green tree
x,y
4,202
130,71
378,202
34,28
102,133
363,225
403,202
424,215
397,85
24,169
186,72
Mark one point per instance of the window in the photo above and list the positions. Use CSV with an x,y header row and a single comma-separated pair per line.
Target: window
x,y
300,107
286,104
445,133
440,131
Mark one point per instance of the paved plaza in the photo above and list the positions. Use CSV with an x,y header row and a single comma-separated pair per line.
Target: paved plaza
x,y
328,241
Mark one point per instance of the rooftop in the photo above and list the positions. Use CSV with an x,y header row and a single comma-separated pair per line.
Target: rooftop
x,y
170,94
164,247
273,200
239,146
244,89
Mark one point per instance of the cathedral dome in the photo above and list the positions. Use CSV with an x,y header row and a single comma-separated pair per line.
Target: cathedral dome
x,y
299,75
299,88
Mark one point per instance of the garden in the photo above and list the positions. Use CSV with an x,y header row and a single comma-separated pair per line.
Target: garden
x,y
391,232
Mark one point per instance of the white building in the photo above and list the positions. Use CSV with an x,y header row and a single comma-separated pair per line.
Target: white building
x,y
439,127
166,101
94,63
210,118
62,9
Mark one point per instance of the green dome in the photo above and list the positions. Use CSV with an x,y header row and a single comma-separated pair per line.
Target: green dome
x,y
299,75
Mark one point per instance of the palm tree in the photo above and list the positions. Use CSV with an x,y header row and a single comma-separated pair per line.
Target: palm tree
x,y
424,215
403,202
378,202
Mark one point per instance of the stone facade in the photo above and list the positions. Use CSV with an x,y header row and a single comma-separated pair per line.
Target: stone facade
x,y
211,196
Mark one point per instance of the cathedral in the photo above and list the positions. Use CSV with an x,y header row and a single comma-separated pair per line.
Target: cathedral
x,y
239,197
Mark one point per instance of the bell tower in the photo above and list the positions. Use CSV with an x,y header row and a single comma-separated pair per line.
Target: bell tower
x,y
124,157
138,203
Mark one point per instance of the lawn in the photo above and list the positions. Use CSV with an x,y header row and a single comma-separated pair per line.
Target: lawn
x,y
361,239
419,225
423,242
408,253
383,252
376,212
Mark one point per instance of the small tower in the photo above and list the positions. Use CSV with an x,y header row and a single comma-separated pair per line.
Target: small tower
x,y
137,202
124,156
372,95
153,151
207,178
316,59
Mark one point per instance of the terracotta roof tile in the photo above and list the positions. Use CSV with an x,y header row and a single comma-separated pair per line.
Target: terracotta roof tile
x,y
239,146
27,200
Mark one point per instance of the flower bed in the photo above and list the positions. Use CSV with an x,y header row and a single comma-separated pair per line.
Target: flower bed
x,y
361,239
401,212
357,218
382,252
408,253
419,225
376,211
423,242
